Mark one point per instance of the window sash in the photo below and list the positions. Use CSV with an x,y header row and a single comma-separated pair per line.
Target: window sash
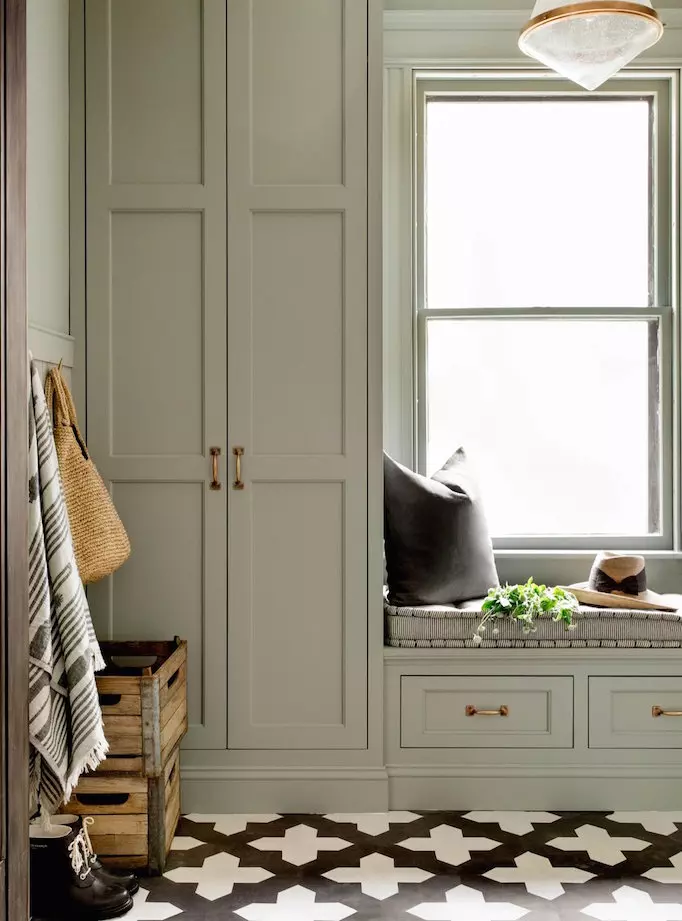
x,y
661,89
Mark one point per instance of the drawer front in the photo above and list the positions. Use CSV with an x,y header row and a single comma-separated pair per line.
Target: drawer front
x,y
444,711
622,712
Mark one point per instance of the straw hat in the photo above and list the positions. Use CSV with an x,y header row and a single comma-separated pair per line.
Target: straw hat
x,y
619,581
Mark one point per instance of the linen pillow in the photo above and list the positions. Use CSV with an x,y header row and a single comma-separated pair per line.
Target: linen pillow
x,y
438,549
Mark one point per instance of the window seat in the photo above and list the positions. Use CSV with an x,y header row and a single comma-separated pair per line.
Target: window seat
x,y
449,627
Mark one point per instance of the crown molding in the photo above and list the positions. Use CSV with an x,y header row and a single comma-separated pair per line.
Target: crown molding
x,y
481,20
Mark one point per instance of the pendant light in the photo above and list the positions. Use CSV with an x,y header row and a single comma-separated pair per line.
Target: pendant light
x,y
591,41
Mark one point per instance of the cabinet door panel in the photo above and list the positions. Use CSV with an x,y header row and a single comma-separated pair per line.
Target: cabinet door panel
x,y
297,378
156,326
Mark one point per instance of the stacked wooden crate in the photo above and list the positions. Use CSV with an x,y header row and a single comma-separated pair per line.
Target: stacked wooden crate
x,y
134,796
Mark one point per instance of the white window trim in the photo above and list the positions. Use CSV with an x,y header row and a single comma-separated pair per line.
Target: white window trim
x,y
414,42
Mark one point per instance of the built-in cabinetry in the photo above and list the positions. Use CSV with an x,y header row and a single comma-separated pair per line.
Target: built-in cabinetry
x,y
297,378
155,219
583,728
231,202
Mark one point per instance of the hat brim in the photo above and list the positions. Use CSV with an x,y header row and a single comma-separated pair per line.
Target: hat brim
x,y
648,601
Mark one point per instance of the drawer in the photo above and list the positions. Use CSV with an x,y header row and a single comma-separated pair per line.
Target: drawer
x,y
443,711
622,712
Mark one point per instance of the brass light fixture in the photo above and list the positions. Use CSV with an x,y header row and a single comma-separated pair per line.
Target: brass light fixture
x,y
591,41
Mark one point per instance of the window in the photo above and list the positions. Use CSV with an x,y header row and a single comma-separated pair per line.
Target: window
x,y
544,303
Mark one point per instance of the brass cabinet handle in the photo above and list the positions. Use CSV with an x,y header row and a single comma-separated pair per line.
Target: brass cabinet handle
x,y
238,454
470,710
659,711
215,482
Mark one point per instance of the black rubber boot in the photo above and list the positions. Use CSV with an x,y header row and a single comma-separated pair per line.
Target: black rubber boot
x,y
112,877
62,884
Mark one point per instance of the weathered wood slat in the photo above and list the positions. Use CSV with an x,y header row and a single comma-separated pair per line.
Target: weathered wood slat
x,y
98,783
126,705
168,688
121,744
134,803
169,696
173,662
170,730
120,844
116,763
122,725
120,825
172,764
127,862
180,731
172,813
118,684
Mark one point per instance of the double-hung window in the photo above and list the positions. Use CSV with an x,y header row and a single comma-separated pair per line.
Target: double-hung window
x,y
544,295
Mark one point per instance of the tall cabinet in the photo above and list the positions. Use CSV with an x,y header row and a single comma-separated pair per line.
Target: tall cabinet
x,y
231,210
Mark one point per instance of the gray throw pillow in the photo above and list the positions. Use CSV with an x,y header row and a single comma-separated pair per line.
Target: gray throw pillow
x,y
438,549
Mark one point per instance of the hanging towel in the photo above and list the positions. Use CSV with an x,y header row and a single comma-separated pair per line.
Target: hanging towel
x,y
65,719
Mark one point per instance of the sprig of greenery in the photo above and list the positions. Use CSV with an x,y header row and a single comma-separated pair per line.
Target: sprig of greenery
x,y
525,603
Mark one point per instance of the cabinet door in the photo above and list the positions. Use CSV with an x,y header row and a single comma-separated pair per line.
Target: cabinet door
x,y
297,378
156,326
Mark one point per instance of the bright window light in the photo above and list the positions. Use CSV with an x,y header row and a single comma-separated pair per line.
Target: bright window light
x,y
544,203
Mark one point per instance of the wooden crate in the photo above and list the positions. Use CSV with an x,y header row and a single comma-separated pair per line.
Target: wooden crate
x,y
135,817
134,795
144,705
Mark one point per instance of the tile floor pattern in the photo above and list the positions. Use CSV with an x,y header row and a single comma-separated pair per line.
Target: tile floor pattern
x,y
436,866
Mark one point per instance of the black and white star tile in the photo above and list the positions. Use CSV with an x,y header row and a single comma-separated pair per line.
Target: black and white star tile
x,y
435,866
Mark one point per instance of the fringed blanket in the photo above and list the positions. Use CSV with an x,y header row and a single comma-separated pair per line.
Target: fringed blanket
x,y
65,719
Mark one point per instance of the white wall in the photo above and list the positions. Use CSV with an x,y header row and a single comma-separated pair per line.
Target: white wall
x,y
47,243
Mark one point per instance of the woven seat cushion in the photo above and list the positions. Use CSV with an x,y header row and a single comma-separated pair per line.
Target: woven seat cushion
x,y
453,627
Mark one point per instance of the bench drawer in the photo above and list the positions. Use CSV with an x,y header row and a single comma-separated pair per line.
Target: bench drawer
x,y
444,711
625,712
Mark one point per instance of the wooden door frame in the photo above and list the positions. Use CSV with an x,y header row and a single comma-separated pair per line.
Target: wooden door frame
x,y
14,460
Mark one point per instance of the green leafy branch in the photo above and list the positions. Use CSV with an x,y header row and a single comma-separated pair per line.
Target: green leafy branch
x,y
525,603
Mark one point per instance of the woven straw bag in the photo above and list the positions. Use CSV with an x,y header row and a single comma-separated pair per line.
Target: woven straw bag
x,y
100,541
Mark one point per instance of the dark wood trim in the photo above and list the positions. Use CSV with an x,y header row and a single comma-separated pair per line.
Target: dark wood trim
x,y
14,434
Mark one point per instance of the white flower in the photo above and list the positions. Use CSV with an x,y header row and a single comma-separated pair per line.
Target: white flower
x,y
496,631
477,639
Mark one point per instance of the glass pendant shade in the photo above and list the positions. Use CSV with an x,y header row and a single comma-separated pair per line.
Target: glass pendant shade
x,y
591,41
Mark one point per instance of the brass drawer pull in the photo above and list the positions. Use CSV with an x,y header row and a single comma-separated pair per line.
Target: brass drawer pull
x,y
470,710
238,454
659,711
215,482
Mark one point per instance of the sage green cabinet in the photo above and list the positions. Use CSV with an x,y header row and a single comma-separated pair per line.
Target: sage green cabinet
x,y
297,373
226,231
155,224
466,711
635,712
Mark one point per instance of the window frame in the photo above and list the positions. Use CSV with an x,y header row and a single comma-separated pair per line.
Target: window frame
x,y
660,86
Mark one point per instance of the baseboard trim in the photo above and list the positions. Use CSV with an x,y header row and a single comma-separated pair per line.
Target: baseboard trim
x,y
584,787
284,789
214,789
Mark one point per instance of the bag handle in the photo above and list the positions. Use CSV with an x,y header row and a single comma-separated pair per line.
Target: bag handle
x,y
58,395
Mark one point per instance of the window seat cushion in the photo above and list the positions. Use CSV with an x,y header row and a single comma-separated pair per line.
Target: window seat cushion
x,y
446,626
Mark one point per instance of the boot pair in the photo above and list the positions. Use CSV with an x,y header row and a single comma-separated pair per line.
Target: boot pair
x,y
64,884
112,877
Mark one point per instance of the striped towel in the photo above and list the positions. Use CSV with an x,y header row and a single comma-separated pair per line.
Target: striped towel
x,y
65,719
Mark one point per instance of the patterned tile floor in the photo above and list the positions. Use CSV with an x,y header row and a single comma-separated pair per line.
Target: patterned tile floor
x,y
436,866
